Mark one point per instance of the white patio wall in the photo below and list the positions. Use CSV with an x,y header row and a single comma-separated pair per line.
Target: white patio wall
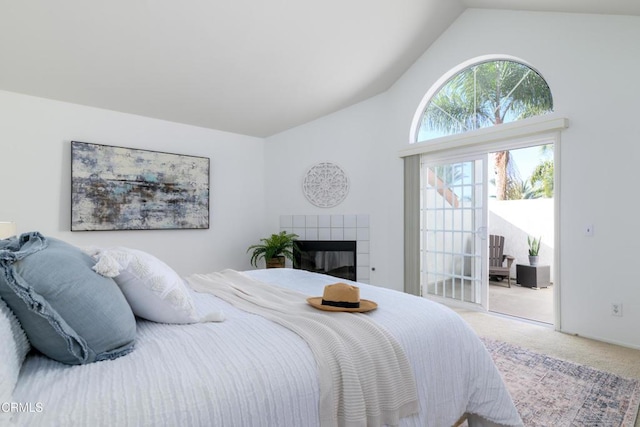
x,y
517,219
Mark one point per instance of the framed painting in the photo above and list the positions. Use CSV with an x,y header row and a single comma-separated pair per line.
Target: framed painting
x,y
118,188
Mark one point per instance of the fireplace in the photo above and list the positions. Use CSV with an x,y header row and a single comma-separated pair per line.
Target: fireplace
x,y
334,228
333,257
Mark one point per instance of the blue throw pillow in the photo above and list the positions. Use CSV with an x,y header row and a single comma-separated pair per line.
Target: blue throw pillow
x,y
69,312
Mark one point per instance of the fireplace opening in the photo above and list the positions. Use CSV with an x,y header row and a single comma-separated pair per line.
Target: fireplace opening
x,y
333,257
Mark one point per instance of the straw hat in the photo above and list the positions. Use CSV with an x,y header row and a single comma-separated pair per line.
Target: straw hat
x,y
341,297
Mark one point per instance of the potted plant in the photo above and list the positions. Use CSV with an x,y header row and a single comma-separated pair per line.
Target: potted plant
x,y
534,248
274,249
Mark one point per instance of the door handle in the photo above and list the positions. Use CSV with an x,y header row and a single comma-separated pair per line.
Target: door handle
x,y
482,232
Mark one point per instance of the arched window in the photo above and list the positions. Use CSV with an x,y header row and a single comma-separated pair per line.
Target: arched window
x,y
482,95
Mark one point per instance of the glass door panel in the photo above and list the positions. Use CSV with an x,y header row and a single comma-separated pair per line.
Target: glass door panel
x,y
453,224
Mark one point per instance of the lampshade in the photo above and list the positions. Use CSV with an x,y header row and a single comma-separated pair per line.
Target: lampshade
x,y
7,229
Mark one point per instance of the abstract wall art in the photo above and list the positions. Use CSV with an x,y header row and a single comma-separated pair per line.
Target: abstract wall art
x,y
117,188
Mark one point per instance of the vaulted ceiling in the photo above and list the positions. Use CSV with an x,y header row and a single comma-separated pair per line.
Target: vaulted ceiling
x,y
245,66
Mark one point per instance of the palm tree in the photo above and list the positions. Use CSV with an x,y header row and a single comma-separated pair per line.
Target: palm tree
x,y
542,178
488,94
523,190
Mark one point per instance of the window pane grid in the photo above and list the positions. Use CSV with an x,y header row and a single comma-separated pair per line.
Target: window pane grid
x,y
448,223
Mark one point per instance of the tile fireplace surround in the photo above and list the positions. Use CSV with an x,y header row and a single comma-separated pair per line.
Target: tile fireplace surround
x,y
334,227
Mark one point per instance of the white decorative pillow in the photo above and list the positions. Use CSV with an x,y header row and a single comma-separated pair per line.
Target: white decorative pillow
x,y
13,349
153,289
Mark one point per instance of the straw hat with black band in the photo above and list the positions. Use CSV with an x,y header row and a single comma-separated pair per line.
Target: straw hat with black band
x,y
342,297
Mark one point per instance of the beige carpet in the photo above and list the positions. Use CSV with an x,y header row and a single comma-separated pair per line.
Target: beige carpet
x,y
543,339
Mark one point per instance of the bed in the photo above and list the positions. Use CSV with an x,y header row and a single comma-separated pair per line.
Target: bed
x,y
235,368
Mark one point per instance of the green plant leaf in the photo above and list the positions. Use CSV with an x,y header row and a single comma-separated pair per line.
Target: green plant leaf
x,y
534,245
281,244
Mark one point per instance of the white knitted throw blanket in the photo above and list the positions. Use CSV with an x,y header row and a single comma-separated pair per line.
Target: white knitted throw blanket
x,y
364,376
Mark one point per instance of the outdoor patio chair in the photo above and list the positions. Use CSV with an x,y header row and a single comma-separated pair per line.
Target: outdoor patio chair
x,y
497,259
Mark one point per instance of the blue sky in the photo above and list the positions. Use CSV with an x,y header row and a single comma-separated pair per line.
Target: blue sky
x,y
527,159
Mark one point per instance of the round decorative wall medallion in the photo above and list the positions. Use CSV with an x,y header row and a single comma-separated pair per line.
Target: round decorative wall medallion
x,y
325,185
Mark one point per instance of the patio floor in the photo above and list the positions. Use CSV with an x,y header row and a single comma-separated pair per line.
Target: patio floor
x,y
520,301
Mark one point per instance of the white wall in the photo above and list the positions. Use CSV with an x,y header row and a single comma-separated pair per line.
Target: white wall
x,y
354,139
35,165
590,63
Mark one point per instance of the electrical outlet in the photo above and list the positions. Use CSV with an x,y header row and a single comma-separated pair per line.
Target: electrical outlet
x,y
616,309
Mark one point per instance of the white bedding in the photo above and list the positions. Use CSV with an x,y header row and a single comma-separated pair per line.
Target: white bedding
x,y
248,371
365,376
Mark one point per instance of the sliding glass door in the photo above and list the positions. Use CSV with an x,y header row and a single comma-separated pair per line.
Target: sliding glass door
x,y
453,227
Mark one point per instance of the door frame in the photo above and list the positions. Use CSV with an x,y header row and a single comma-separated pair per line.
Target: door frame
x,y
523,133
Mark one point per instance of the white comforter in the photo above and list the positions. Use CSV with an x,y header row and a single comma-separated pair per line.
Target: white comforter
x,y
249,371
